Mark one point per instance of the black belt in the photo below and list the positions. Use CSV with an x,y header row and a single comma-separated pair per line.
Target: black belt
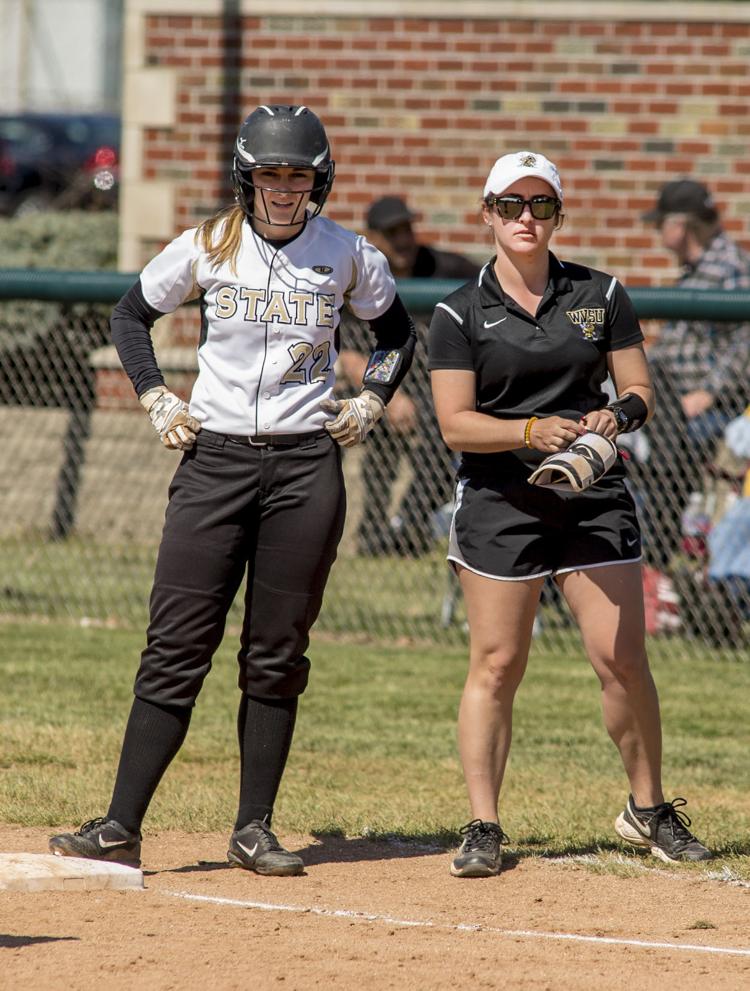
x,y
273,440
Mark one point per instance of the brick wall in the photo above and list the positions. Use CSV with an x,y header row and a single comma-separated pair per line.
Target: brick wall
x,y
422,107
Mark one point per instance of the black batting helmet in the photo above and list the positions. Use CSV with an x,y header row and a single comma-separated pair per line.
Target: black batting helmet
x,y
284,136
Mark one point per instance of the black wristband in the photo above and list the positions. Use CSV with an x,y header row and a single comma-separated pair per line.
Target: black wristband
x,y
630,412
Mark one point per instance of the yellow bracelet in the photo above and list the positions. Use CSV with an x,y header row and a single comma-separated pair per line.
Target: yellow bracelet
x,y
527,430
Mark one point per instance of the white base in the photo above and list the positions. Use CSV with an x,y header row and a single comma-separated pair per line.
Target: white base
x,y
46,872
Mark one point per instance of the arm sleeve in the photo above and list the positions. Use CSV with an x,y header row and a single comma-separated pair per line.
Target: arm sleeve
x,y
447,344
622,320
391,358
131,323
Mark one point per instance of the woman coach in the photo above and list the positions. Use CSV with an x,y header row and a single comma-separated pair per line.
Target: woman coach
x,y
518,358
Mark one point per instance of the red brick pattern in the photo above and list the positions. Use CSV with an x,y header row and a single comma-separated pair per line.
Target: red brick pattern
x,y
422,107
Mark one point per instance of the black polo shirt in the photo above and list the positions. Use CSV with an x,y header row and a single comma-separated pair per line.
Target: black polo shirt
x,y
554,363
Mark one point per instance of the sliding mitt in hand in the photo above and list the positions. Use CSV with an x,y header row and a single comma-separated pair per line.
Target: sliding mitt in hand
x,y
587,460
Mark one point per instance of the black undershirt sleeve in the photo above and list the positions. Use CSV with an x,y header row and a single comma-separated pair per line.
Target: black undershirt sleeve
x,y
131,323
391,358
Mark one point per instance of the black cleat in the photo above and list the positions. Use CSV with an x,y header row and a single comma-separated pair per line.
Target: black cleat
x,y
256,848
481,852
663,829
100,839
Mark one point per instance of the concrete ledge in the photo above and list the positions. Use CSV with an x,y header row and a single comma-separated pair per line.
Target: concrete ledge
x,y
45,872
495,10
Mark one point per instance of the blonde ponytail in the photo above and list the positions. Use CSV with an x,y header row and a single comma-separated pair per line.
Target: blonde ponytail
x,y
221,236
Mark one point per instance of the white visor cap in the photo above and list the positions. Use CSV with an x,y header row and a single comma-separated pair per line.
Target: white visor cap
x,y
518,165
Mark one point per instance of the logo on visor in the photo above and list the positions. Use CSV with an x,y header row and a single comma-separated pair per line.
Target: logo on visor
x,y
528,161
322,269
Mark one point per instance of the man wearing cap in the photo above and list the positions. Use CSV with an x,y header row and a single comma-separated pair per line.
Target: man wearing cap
x,y
700,368
409,427
390,227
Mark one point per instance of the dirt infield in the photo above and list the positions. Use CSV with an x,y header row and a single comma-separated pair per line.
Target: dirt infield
x,y
373,916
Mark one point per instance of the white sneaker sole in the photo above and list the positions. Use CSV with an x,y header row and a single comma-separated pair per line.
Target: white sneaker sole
x,y
631,835
475,870
285,870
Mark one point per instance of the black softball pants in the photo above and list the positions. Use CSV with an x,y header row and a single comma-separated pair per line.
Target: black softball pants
x,y
275,514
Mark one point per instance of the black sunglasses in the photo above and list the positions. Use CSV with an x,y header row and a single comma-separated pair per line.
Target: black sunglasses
x,y
511,207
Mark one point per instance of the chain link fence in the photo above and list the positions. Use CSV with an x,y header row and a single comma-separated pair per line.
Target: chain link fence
x,y
83,488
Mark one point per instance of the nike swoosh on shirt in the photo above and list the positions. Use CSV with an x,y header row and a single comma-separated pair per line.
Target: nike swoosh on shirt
x,y
488,325
106,844
250,853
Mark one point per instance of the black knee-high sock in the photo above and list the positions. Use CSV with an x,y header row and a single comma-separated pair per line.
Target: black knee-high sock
x,y
153,736
265,728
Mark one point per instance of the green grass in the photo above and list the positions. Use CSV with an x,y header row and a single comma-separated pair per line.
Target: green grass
x,y
396,599
374,753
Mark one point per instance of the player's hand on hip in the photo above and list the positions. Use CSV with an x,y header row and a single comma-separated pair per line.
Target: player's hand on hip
x,y
353,418
554,433
170,417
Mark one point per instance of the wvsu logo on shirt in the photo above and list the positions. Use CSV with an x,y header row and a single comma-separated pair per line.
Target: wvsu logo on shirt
x,y
589,320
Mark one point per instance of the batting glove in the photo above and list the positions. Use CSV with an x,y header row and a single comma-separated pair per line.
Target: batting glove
x,y
170,417
355,417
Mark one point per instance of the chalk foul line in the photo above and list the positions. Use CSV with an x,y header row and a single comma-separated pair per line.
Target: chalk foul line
x,y
340,913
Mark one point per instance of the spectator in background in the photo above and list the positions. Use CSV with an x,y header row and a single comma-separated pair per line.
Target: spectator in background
x,y
390,224
409,426
700,368
729,540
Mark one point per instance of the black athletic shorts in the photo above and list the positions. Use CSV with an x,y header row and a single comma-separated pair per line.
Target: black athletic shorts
x,y
505,528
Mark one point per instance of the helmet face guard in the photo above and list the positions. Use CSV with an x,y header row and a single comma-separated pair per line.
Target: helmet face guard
x,y
246,191
281,136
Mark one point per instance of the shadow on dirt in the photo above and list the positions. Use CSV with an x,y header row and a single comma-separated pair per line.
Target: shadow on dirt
x,y
331,850
334,849
200,867
9,942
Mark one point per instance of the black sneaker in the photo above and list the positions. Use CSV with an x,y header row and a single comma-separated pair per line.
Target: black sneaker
x,y
256,848
481,852
663,829
100,839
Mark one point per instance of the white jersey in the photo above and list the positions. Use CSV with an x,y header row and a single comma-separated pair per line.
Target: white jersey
x,y
268,333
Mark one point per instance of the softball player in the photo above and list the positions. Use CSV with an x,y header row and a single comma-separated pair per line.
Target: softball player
x,y
259,489
518,359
